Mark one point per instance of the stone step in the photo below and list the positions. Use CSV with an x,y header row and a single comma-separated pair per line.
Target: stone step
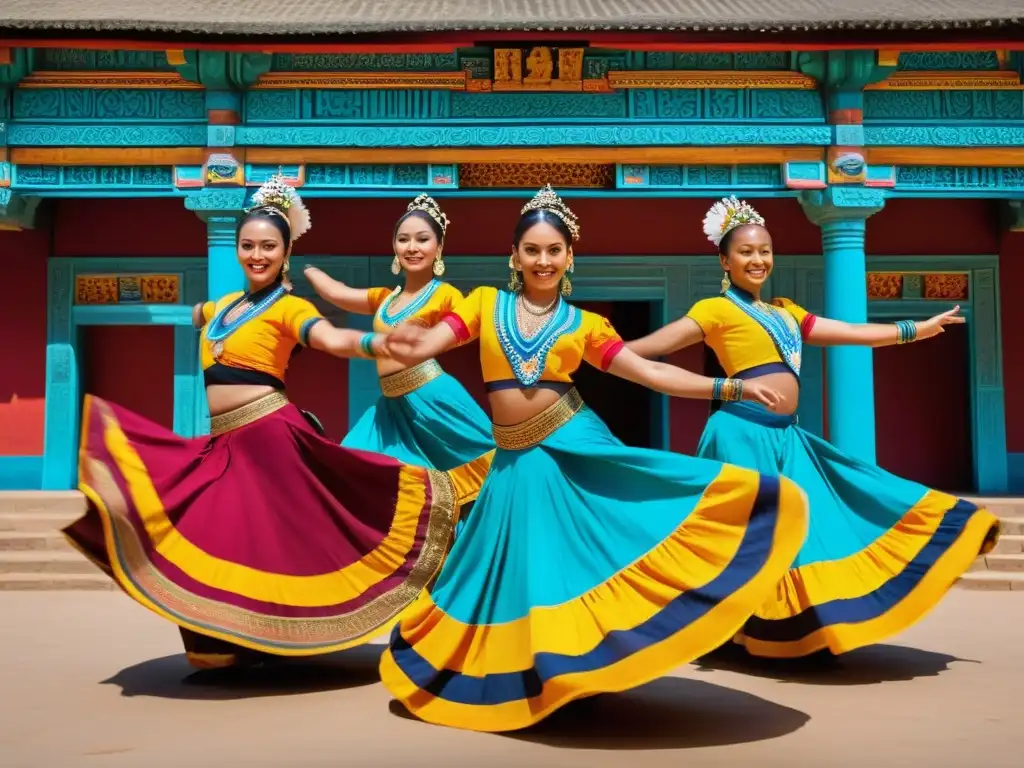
x,y
993,581
68,503
1004,563
33,541
1012,544
45,563
1001,507
1011,526
59,582
35,522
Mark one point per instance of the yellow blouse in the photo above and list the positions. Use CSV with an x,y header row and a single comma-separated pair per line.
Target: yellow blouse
x,y
572,336
265,342
737,339
426,309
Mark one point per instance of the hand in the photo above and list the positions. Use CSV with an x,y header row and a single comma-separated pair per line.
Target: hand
x,y
936,325
404,341
756,392
380,346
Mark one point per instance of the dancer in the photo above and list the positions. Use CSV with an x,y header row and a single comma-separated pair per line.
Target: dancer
x,y
424,416
881,551
264,537
587,566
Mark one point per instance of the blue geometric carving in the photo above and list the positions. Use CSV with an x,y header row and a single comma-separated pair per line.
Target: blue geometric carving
x,y
538,105
71,59
947,60
27,135
382,176
59,179
632,135
108,104
706,177
950,178
944,136
686,104
920,106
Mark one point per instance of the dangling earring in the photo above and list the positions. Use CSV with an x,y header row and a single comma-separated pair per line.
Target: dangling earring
x,y
726,282
565,284
396,266
439,264
514,283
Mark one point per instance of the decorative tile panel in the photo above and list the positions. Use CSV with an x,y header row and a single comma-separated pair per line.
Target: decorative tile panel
x,y
100,104
946,286
535,175
71,59
127,289
365,62
939,178
715,177
92,176
885,285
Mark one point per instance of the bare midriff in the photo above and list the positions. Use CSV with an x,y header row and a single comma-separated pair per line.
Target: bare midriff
x,y
787,386
514,406
222,398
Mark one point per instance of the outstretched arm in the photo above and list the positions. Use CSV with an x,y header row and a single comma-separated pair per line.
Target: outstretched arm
x,y
678,334
831,333
345,342
678,382
412,344
356,300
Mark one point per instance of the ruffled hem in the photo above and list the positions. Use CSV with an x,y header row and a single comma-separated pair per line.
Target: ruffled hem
x,y
862,599
685,597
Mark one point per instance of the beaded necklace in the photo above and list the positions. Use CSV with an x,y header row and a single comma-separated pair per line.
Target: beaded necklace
x,y
528,356
418,302
220,328
780,326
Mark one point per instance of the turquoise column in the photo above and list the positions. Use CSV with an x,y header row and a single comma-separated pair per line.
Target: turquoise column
x,y
842,213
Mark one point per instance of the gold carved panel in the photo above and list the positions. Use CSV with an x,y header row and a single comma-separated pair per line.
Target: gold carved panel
x,y
127,289
536,175
885,285
950,287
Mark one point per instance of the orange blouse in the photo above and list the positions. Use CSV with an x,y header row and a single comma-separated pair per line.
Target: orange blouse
x,y
434,302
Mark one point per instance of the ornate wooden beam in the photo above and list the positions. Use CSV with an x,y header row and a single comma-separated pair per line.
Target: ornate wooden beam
x,y
109,80
108,155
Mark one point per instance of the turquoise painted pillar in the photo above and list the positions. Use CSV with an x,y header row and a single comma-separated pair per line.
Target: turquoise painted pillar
x,y
63,384
220,209
842,214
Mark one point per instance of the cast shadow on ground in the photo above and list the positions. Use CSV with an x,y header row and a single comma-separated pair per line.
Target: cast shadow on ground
x,y
669,713
171,677
865,666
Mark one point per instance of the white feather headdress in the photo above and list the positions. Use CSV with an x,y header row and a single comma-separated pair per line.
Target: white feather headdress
x,y
728,214
277,195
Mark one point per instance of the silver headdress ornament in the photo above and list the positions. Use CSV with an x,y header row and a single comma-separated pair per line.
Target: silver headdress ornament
x,y
429,206
548,200
728,214
278,196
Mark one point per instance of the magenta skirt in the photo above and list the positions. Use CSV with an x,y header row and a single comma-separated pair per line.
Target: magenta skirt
x,y
264,537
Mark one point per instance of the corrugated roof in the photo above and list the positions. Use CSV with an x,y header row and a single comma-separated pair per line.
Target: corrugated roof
x,y
277,17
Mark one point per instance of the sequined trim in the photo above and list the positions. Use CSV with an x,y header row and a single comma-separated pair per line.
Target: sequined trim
x,y
247,414
411,379
538,428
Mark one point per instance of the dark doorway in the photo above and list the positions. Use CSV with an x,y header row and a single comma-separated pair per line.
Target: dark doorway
x,y
629,410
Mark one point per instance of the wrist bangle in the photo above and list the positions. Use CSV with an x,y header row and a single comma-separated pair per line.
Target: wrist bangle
x,y
727,390
906,331
366,344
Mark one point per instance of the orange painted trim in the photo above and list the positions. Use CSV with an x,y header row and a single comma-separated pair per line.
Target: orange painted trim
x,y
846,116
560,155
451,81
108,155
949,81
111,80
427,43
956,156
223,117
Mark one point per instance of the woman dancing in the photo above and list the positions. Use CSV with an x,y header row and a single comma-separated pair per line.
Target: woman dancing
x,y
587,566
264,537
881,551
424,416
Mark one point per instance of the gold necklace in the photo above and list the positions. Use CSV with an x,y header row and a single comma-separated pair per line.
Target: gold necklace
x,y
530,318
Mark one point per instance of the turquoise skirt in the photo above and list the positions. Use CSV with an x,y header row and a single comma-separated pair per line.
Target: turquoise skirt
x,y
588,566
437,425
881,550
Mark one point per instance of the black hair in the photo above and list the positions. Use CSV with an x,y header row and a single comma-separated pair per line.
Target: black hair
x,y
536,216
434,226
276,217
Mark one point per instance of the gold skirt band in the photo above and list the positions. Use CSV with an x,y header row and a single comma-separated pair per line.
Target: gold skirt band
x,y
247,414
411,379
538,428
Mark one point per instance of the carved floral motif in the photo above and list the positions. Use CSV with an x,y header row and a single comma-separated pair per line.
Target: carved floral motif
x,y
96,289
159,289
533,175
127,289
885,285
946,286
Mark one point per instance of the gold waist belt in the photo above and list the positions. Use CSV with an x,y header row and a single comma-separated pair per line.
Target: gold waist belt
x,y
411,379
538,428
247,414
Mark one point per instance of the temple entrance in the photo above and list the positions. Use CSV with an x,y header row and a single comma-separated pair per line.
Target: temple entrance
x,y
923,411
133,366
632,412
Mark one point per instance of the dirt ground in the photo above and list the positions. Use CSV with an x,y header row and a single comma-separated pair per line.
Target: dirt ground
x,y
92,679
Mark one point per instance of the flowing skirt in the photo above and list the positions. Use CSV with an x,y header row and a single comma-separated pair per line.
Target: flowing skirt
x,y
266,536
587,566
427,418
881,551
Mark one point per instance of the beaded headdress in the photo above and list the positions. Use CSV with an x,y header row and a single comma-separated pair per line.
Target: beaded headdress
x,y
429,206
548,200
728,214
277,196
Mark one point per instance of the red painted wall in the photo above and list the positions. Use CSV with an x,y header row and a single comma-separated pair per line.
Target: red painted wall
x,y
23,341
1011,278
